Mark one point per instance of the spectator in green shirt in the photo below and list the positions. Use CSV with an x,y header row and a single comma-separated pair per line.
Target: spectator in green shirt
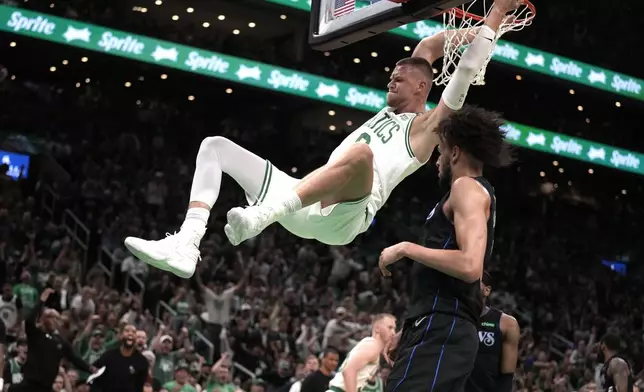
x,y
220,376
180,382
26,292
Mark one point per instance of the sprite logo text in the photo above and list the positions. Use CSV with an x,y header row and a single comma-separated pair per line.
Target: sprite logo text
x,y
19,22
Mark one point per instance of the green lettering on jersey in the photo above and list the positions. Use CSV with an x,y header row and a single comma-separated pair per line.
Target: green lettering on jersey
x,y
488,324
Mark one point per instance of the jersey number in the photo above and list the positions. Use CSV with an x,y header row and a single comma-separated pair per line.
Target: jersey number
x,y
365,137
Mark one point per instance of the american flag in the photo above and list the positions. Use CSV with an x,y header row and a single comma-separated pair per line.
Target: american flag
x,y
343,7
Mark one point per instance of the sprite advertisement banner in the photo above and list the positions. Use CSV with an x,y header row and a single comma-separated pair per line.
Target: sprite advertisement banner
x,y
287,81
523,57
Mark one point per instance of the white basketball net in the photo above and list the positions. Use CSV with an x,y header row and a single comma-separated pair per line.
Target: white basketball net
x,y
460,30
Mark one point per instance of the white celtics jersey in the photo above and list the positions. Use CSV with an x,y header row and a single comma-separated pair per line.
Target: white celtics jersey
x,y
388,135
364,374
9,311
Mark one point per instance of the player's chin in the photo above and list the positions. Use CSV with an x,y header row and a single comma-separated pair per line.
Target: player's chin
x,y
392,99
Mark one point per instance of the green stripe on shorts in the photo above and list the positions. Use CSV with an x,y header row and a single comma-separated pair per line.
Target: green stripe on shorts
x,y
268,174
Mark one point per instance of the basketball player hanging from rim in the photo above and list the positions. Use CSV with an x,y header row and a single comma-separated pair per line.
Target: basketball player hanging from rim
x,y
438,343
338,201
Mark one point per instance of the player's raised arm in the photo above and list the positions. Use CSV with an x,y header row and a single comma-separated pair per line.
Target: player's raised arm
x,y
433,48
472,60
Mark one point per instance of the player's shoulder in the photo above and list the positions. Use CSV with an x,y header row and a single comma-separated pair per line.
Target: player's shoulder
x,y
508,323
469,186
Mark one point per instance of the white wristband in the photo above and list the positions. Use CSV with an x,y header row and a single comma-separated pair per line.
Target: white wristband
x,y
471,63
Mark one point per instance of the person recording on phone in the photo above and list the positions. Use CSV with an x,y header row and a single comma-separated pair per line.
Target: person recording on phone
x,y
46,348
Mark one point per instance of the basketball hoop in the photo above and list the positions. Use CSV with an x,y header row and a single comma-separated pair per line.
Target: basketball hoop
x,y
459,34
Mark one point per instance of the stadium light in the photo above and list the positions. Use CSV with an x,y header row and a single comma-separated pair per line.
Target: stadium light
x,y
407,48
542,174
206,24
282,16
251,24
221,17
190,10
580,108
175,17
191,97
158,2
374,54
65,62
84,59
349,123
618,104
519,77
555,163
229,91
164,76
52,69
356,60
236,32
12,44
590,171
571,91
331,127
561,170
128,84
331,112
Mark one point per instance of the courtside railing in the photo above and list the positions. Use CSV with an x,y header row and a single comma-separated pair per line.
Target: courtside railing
x,y
48,201
79,235
195,337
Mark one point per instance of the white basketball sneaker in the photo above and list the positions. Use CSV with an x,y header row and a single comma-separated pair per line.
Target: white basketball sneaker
x,y
177,253
246,223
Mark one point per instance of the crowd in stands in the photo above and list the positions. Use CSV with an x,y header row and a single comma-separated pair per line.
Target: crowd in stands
x,y
258,318
271,306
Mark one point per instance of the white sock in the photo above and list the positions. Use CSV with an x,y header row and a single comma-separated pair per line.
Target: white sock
x,y
196,219
288,205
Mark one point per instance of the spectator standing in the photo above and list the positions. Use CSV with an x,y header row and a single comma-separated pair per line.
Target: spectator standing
x,y
13,368
218,304
47,348
319,381
10,310
126,369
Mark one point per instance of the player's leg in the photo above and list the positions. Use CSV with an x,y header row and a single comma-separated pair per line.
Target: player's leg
x,y
348,177
179,253
439,358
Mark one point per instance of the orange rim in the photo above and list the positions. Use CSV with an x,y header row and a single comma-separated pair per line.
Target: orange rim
x,y
459,13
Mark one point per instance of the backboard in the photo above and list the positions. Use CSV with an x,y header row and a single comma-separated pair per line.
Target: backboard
x,y
337,23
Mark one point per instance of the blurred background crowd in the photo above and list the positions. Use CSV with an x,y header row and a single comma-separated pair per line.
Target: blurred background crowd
x,y
110,162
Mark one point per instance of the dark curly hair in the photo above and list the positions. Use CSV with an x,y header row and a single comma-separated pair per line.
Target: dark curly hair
x,y
478,132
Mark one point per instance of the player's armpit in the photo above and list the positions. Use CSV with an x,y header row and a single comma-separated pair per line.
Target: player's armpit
x,y
510,349
619,369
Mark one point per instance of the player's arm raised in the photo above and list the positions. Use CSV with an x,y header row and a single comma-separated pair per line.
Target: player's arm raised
x,y
472,61
369,351
432,48
619,370
470,203
509,352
